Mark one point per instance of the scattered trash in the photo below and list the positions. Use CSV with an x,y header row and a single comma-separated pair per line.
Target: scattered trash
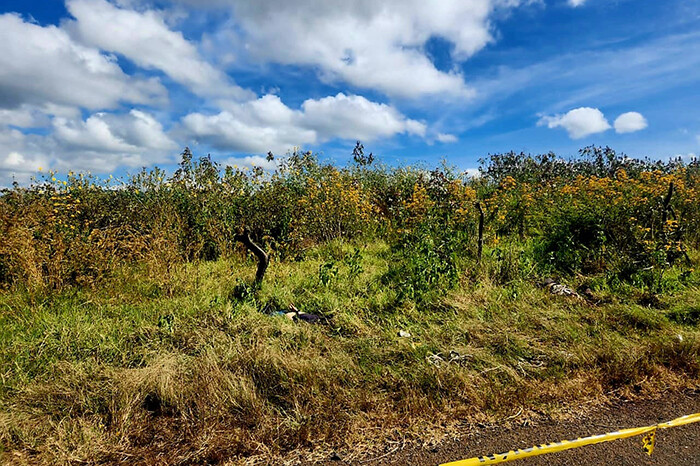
x,y
435,359
563,290
404,334
680,338
559,289
295,315
459,358
308,318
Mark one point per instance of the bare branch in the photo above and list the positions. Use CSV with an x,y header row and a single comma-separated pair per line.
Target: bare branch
x,y
260,254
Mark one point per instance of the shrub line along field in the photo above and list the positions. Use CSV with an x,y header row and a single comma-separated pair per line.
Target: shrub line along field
x,y
138,328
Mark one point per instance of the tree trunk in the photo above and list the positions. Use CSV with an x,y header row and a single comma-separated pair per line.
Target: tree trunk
x,y
260,254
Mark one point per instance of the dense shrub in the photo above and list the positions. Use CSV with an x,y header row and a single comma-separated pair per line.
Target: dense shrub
x,y
598,213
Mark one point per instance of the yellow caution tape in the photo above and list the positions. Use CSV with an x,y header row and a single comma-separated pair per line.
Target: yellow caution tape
x,y
648,443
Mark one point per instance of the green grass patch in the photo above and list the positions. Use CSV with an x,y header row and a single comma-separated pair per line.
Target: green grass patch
x,y
181,369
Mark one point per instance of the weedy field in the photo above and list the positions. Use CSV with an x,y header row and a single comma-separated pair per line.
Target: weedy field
x,y
133,329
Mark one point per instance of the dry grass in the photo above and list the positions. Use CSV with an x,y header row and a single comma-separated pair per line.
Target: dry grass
x,y
169,368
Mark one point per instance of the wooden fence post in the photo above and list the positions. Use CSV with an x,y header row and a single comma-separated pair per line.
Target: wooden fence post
x,y
481,231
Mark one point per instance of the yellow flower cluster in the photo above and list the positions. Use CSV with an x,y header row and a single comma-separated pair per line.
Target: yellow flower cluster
x,y
332,207
637,201
66,208
465,197
420,203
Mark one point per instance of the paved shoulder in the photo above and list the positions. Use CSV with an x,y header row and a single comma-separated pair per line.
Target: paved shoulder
x,y
674,447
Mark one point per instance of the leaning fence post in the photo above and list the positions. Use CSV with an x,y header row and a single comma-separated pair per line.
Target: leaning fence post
x,y
481,231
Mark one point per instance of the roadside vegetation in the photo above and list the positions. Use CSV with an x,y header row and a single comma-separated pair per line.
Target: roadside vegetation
x,y
132,328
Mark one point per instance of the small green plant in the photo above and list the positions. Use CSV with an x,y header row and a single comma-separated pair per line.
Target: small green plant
x,y
354,264
166,322
327,272
425,264
243,291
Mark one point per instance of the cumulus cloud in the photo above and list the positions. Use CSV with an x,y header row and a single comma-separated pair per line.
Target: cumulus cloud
x,y
630,122
473,172
40,65
20,155
268,124
146,39
129,133
25,116
446,138
101,143
46,78
369,44
106,141
575,3
255,126
354,117
579,122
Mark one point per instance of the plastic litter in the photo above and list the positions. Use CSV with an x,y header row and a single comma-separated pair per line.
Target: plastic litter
x,y
295,315
559,289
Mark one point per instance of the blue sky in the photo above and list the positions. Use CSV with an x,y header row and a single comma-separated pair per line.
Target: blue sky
x,y
109,86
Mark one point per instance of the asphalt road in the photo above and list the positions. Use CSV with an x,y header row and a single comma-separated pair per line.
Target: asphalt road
x,y
674,447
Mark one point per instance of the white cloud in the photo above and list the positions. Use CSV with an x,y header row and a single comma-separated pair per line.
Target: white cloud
x,y
579,122
24,116
446,138
366,43
20,156
354,117
268,124
146,39
630,122
575,3
255,126
101,143
251,161
132,132
108,140
40,65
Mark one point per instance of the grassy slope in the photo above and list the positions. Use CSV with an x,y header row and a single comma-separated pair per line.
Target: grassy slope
x,y
174,368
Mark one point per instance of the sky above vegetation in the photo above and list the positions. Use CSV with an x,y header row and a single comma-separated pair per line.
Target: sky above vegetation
x,y
110,86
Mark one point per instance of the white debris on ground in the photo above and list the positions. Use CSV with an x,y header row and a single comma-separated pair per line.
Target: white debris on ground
x,y
559,289
454,357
